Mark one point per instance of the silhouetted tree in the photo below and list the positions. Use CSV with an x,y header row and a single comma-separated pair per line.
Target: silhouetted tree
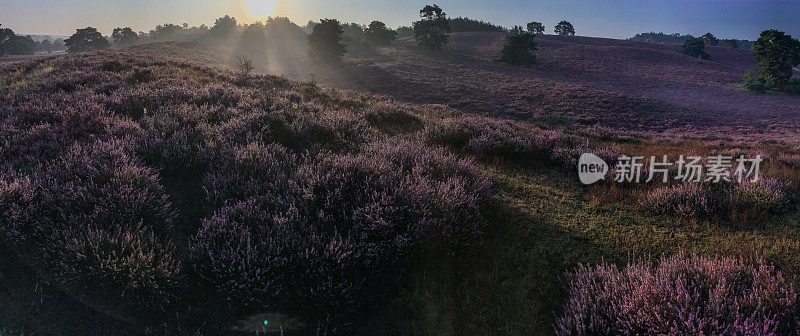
x,y
13,44
224,27
776,54
167,32
462,24
433,30
124,36
731,43
46,46
564,28
86,39
519,48
377,34
516,30
405,31
324,43
694,47
536,27
709,39
253,41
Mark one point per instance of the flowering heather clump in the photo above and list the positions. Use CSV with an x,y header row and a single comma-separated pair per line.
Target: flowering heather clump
x,y
738,202
682,295
392,119
688,200
488,138
760,198
791,160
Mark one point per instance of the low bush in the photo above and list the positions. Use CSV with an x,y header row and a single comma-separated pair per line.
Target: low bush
x,y
741,203
754,83
355,217
688,200
681,295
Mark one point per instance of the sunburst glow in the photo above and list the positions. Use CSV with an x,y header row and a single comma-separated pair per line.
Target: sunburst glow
x,y
259,9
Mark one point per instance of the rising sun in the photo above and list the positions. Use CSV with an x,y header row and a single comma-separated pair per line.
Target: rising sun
x,y
260,9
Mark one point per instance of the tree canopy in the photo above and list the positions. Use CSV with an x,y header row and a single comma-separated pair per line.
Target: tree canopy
x,y
324,42
776,53
433,30
519,48
709,39
536,27
694,47
124,36
86,39
564,28
377,33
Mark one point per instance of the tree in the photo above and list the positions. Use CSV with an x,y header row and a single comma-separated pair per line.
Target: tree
x,y
463,24
776,53
253,41
86,39
46,46
709,39
124,36
564,28
433,30
536,28
694,47
516,30
519,49
324,43
405,31
731,43
6,35
167,32
377,33
224,27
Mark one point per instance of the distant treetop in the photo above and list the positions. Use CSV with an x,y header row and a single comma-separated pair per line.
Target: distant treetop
x,y
564,28
463,24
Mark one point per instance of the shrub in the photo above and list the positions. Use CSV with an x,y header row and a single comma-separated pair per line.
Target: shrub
x,y
487,138
682,295
88,222
250,171
244,65
391,119
354,220
742,203
694,47
754,83
519,49
758,199
688,200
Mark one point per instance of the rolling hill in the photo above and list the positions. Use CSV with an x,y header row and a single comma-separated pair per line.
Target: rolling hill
x,y
628,87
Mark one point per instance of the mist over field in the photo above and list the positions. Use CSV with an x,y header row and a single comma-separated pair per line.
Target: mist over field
x,y
450,176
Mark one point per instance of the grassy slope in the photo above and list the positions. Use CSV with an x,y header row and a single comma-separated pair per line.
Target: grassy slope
x,y
547,225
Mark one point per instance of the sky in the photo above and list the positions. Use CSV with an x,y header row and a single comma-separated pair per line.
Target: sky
x,y
605,18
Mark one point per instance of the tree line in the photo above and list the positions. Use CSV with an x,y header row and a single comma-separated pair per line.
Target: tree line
x,y
13,44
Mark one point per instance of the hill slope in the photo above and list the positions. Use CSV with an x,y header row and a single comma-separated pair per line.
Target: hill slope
x,y
629,87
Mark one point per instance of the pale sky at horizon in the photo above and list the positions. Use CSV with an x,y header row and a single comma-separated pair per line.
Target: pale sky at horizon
x,y
607,18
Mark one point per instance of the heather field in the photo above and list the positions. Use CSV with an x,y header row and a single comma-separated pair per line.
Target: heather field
x,y
626,87
153,190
